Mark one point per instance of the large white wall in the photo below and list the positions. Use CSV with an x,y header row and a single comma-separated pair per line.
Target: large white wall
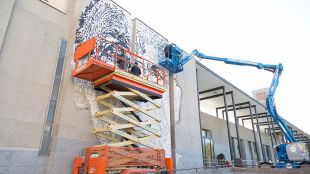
x,y
188,132
27,66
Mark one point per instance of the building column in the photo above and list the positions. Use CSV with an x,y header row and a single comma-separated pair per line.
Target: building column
x,y
259,134
256,145
227,122
236,122
271,138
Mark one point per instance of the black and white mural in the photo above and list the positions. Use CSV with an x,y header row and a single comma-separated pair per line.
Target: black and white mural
x,y
147,41
105,19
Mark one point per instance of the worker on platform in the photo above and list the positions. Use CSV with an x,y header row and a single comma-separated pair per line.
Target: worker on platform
x,y
168,51
135,70
121,59
121,63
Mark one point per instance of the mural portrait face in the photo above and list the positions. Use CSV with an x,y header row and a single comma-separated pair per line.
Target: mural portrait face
x,y
105,19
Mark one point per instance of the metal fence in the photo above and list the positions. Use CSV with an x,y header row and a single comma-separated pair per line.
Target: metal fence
x,y
215,164
226,166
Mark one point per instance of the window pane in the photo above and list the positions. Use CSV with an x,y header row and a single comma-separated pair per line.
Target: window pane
x,y
50,116
254,151
236,148
268,152
203,133
51,112
208,146
250,149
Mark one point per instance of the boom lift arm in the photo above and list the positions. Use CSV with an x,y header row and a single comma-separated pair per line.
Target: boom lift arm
x,y
270,103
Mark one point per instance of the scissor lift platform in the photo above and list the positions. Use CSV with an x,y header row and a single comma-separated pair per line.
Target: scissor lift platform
x,y
107,64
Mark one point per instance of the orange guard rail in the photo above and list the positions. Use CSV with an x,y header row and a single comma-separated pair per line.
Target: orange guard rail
x,y
117,57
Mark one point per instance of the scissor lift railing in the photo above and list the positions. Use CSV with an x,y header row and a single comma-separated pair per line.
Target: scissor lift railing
x,y
102,61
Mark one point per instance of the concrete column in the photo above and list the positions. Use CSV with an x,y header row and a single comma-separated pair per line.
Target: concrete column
x,y
227,123
254,134
259,135
236,122
172,120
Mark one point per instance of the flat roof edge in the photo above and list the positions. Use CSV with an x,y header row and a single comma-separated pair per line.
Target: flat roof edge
x,y
226,81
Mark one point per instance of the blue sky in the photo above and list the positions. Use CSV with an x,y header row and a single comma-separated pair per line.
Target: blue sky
x,y
267,31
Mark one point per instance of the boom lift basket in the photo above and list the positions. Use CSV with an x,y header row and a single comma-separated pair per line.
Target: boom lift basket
x,y
171,57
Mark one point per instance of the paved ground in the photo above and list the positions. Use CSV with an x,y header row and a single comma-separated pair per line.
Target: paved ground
x,y
270,171
245,171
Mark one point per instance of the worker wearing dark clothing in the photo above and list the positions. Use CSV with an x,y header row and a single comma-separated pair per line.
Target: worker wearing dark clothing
x,y
121,64
121,59
135,70
168,51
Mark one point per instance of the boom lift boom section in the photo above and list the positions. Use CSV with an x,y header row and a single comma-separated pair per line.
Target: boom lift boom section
x,y
270,103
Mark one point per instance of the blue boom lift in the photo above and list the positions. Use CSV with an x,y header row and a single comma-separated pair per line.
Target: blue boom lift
x,y
291,155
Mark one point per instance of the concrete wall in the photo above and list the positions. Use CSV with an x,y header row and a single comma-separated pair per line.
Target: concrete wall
x,y
26,76
188,132
27,66
220,135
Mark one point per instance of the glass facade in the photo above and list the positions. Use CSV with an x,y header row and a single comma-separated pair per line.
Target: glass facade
x,y
207,145
235,147
50,116
252,150
268,153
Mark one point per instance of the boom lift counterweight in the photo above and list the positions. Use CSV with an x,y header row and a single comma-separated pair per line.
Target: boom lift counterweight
x,y
292,154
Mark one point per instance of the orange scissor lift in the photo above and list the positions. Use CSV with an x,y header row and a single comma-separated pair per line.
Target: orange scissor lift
x,y
107,65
